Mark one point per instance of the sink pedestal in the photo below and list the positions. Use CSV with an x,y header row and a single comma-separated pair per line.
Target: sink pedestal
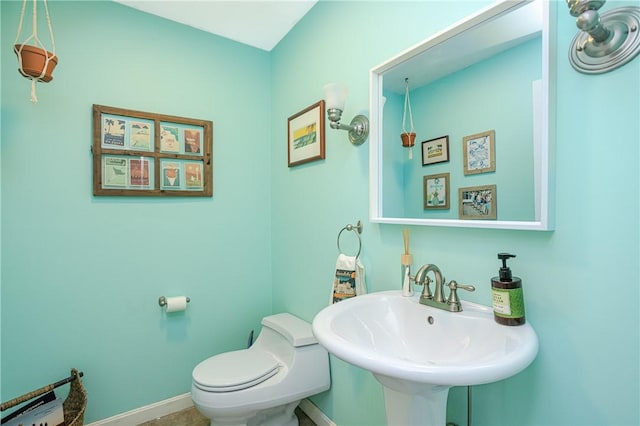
x,y
411,403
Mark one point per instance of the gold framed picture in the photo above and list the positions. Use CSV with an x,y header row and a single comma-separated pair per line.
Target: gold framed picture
x,y
306,135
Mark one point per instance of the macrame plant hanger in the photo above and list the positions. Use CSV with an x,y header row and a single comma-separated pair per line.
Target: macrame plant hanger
x,y
35,62
408,138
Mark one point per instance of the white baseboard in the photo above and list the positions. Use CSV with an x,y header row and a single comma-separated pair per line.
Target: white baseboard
x,y
314,413
148,412
182,402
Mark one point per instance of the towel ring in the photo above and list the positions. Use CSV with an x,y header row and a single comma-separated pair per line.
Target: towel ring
x,y
358,230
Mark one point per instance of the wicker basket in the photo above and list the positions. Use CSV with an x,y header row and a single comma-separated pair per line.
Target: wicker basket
x,y
73,407
76,402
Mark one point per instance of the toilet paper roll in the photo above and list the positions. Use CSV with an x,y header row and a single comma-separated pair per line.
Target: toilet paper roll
x,y
176,304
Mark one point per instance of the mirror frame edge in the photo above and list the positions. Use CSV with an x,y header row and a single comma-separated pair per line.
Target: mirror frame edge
x,y
545,217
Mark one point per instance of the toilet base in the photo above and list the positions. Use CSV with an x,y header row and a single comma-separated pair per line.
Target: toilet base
x,y
283,415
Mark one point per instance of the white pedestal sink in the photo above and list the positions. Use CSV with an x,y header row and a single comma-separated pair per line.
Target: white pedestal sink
x,y
418,352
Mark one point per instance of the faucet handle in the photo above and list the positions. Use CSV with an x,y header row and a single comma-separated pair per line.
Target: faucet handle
x,y
454,285
421,278
453,300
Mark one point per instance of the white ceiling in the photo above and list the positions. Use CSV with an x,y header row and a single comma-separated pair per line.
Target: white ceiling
x,y
258,23
453,53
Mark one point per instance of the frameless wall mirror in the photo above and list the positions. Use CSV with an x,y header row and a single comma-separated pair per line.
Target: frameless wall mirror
x,y
482,104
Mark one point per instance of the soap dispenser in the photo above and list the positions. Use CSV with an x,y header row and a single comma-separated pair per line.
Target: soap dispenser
x,y
508,299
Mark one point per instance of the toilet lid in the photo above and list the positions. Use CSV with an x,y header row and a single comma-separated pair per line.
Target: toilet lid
x,y
237,370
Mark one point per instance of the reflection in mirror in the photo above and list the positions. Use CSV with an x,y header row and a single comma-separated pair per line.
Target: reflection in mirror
x,y
483,82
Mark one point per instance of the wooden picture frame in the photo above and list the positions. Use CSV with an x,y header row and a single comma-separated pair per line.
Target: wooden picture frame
x,y
478,202
436,191
137,153
479,153
305,141
435,150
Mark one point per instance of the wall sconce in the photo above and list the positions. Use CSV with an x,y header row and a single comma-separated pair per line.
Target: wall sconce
x,y
336,95
607,41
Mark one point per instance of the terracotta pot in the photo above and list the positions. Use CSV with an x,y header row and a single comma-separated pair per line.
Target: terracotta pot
x,y
33,60
408,139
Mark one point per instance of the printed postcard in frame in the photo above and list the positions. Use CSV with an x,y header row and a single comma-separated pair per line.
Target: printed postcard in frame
x,y
306,135
172,175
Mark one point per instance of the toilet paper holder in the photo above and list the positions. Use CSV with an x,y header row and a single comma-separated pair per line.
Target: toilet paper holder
x,y
162,301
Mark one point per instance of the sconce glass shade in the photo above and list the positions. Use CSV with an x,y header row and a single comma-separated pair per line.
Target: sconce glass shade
x,y
335,98
335,95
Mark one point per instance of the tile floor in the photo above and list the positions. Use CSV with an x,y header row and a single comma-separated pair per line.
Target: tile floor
x,y
191,417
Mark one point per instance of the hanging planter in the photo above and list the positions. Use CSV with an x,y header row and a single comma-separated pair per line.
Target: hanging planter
x,y
408,137
35,62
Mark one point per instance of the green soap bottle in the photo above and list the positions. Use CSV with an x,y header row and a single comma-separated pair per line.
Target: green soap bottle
x,y
508,299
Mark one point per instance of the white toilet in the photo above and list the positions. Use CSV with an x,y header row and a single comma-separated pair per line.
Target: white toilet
x,y
264,384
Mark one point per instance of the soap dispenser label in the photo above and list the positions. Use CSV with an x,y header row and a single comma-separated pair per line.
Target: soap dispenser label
x,y
501,302
508,303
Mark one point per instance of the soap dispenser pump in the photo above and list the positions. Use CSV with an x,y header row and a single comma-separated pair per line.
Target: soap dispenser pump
x,y
508,299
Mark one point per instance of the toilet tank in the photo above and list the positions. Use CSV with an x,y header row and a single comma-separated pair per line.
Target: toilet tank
x,y
296,331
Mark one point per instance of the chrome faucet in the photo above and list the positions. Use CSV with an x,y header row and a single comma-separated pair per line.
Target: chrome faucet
x,y
437,300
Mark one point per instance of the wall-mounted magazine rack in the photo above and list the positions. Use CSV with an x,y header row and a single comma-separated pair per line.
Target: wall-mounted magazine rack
x,y
146,154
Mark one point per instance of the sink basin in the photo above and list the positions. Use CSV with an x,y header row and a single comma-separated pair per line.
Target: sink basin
x,y
418,352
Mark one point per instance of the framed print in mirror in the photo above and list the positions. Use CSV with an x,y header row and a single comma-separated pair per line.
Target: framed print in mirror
x,y
436,191
479,153
306,135
477,202
435,150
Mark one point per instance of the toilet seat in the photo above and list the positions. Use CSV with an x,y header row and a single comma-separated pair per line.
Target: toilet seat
x,y
233,371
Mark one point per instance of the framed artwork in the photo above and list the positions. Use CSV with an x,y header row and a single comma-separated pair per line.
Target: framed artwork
x,y
477,202
435,150
479,153
306,135
436,191
146,154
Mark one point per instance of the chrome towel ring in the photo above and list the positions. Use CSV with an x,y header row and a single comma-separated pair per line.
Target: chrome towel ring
x,y
358,230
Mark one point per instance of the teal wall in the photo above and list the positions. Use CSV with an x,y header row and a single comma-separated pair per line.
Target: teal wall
x,y
580,281
81,275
